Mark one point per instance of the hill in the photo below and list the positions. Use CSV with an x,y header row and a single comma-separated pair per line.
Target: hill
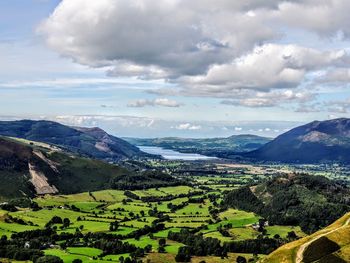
x,y
90,142
218,147
29,168
329,245
312,202
318,141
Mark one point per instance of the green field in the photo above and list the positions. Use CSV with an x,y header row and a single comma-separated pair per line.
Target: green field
x,y
95,212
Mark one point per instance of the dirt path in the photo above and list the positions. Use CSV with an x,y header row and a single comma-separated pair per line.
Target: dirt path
x,y
302,248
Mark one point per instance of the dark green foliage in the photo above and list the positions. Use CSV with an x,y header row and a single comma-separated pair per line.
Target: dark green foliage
x,y
49,259
241,259
310,201
142,180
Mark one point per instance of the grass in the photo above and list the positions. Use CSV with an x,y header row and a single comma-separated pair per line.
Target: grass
x,y
86,251
335,232
239,218
164,233
282,231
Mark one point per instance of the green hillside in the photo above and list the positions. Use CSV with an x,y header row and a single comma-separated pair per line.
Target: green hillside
x,y
329,245
29,168
312,202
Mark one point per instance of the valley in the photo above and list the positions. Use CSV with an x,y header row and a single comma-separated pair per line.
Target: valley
x,y
58,205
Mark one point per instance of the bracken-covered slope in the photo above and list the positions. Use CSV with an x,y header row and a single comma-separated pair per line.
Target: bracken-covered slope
x,y
91,142
28,168
318,141
329,245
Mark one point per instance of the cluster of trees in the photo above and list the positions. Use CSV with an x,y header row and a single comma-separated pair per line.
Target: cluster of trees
x,y
143,180
174,207
196,245
312,202
58,220
28,245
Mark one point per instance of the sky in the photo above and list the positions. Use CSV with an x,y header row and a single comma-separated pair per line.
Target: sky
x,y
199,68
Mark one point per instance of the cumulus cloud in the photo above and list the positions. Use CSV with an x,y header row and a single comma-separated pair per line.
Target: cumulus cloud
x,y
225,49
266,67
156,102
271,99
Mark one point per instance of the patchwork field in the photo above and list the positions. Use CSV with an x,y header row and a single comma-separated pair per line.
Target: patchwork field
x,y
123,214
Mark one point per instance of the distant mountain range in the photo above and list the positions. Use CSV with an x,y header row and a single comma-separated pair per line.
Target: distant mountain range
x,y
219,147
318,141
91,142
28,168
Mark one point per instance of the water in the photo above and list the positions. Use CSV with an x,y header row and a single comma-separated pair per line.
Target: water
x,y
174,155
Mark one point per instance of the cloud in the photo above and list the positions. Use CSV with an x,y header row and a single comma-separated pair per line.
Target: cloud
x,y
287,66
338,106
335,76
156,102
152,39
271,99
325,17
237,50
187,126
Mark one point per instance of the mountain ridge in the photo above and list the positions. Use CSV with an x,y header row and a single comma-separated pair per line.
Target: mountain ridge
x,y
90,142
29,168
314,142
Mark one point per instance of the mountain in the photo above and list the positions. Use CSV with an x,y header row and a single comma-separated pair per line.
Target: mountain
x,y
329,245
318,141
29,168
219,147
312,202
91,142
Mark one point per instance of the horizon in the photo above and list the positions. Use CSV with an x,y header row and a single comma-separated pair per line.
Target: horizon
x,y
195,75
235,132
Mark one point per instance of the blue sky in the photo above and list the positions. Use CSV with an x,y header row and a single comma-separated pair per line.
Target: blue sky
x,y
112,64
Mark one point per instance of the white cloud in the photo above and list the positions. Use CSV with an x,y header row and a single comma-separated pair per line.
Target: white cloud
x,y
156,102
237,50
188,126
271,99
325,17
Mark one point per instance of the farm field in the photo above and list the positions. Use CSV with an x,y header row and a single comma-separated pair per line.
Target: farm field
x,y
142,219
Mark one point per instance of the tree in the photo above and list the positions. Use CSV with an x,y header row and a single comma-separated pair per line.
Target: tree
x,y
77,260
66,222
49,259
241,259
162,242
184,255
161,249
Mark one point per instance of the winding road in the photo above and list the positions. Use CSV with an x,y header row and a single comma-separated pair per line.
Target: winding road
x,y
302,248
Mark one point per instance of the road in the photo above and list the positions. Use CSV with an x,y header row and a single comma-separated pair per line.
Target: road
x,y
300,253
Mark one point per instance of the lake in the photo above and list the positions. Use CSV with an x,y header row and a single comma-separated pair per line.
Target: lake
x,y
174,155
